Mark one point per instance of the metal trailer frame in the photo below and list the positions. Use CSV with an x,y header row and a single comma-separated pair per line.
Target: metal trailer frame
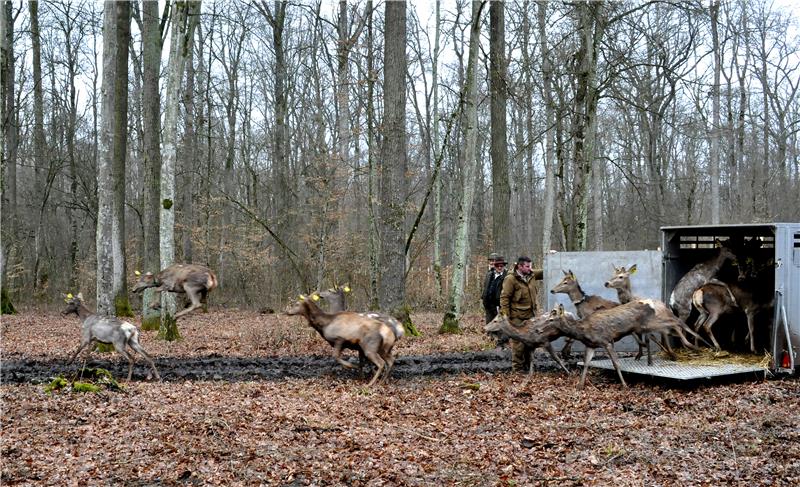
x,y
685,246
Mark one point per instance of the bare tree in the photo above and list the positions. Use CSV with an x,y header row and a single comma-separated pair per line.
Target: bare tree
x,y
185,16
151,108
715,131
501,191
105,166
120,155
394,164
450,321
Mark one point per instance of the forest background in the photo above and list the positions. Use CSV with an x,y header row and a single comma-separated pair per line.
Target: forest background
x,y
293,146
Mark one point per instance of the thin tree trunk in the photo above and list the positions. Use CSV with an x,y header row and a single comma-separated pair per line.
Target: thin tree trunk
x,y
39,141
123,32
105,167
437,198
715,132
450,321
501,191
549,147
185,15
151,108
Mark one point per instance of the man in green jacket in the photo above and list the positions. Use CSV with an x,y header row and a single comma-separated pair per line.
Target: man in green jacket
x,y
518,301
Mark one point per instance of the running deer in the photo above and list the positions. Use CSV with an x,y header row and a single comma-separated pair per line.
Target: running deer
x,y
680,300
351,330
602,328
194,280
106,329
751,293
585,304
335,297
528,333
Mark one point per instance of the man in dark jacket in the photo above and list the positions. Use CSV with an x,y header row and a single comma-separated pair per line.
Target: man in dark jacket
x,y
492,285
518,301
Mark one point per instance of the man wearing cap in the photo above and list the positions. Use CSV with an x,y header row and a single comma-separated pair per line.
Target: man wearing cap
x,y
492,285
518,301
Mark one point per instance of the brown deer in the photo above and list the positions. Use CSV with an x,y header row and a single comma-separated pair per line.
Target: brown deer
x,y
528,333
751,293
621,282
585,304
604,327
194,280
106,329
680,299
351,330
335,297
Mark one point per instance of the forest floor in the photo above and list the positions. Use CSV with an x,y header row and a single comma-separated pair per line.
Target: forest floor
x,y
250,399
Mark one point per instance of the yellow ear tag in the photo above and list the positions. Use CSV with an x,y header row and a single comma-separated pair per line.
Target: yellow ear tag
x,y
347,289
301,298
137,273
69,296
315,297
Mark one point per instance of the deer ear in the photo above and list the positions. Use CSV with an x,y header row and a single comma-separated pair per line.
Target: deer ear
x,y
80,296
137,273
560,310
565,272
632,269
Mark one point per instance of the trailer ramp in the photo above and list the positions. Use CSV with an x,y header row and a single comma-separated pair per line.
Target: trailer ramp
x,y
679,371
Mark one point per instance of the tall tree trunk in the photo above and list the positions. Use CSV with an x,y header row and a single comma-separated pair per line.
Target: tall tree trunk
x,y
189,158
185,15
372,170
8,151
39,142
393,185
151,114
123,32
450,321
501,191
591,31
549,146
437,191
715,132
8,189
105,166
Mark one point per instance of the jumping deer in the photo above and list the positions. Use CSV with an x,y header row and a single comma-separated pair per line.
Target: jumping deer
x,y
194,280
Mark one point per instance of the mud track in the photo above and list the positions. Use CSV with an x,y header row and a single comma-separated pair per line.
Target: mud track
x,y
219,368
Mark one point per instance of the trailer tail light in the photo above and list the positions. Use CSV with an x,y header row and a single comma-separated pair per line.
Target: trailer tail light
x,y
785,361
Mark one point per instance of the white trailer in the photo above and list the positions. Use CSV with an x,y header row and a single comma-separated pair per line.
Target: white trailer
x,y
777,331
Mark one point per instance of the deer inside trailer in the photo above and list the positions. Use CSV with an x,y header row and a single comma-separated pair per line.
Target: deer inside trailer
x,y
775,247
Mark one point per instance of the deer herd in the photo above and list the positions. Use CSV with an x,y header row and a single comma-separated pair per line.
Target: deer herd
x,y
599,322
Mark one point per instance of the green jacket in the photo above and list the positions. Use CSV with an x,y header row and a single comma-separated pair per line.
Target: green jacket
x,y
518,297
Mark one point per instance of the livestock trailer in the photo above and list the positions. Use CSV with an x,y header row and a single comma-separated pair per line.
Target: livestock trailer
x,y
777,330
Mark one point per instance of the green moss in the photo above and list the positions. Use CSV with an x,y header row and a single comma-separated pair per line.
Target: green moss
x,y
167,203
103,347
151,322
122,306
6,306
56,385
85,387
169,329
92,380
450,324
404,315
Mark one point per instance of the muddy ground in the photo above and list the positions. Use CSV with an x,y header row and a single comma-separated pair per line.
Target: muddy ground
x,y
251,399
